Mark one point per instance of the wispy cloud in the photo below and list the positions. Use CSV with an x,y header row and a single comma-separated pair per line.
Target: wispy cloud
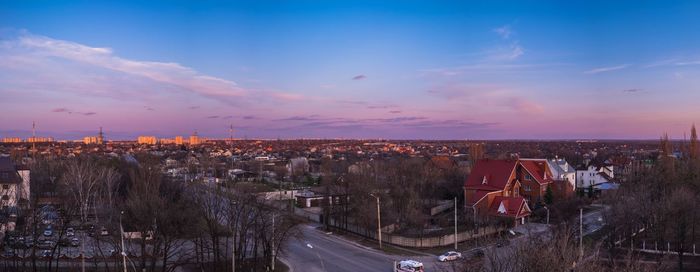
x,y
359,77
165,72
99,70
523,105
510,53
503,31
606,69
68,111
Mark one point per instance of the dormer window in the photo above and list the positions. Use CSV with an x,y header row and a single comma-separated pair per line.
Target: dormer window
x,y
484,180
502,208
528,177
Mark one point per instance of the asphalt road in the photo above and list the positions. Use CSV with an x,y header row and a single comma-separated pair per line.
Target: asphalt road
x,y
317,251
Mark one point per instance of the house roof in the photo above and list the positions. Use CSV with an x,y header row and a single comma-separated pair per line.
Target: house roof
x,y
537,169
509,206
7,167
478,196
495,173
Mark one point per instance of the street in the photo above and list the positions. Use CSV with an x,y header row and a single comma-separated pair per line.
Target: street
x,y
320,252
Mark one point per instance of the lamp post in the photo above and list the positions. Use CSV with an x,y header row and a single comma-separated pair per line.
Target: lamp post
x,y
379,221
547,214
272,263
455,223
121,230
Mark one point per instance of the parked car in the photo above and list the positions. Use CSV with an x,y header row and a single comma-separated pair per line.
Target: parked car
x,y
48,232
104,231
74,242
450,256
70,232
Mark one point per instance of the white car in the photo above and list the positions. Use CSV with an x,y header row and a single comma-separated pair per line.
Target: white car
x,y
408,266
450,256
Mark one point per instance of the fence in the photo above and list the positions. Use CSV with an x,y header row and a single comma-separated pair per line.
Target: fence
x,y
399,240
653,248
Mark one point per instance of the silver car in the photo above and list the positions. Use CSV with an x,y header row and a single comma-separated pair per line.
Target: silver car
x,y
450,256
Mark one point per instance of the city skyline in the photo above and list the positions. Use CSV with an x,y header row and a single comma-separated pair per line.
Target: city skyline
x,y
394,70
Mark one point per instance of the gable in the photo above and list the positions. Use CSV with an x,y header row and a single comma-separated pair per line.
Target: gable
x,y
491,175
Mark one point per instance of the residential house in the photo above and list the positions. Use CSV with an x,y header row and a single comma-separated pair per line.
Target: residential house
x,y
493,189
592,176
14,184
563,177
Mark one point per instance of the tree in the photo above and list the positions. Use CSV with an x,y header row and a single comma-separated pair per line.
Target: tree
x,y
548,196
81,185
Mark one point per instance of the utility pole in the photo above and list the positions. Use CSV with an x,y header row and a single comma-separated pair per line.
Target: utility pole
x,y
455,223
580,238
272,264
547,214
233,252
379,221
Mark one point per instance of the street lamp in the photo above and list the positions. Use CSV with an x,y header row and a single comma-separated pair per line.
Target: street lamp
x,y
545,207
121,229
379,221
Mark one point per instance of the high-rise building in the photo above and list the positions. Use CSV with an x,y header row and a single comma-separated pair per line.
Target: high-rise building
x,y
90,140
194,139
99,139
151,140
35,139
179,140
12,140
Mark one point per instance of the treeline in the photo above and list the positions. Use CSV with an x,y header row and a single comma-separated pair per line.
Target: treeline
x,y
178,224
663,200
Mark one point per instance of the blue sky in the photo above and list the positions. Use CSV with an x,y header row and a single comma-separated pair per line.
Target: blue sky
x,y
375,69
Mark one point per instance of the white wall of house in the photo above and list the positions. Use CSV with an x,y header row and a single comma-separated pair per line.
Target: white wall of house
x,y
8,194
592,176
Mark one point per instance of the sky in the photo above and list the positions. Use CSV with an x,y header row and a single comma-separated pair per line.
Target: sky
x,y
350,69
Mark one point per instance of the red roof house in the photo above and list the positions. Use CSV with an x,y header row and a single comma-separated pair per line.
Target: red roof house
x,y
506,188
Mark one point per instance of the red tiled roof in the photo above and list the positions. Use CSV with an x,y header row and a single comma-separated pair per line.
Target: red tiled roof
x,y
537,168
497,173
478,195
514,206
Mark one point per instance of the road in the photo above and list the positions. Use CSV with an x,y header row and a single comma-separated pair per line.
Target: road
x,y
318,251
593,221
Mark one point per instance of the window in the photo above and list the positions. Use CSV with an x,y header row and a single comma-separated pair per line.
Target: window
x,y
526,188
528,177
